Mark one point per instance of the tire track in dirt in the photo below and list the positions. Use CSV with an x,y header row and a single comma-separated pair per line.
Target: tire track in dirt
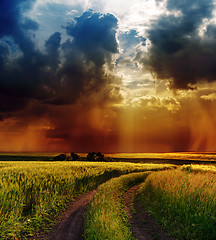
x,y
71,224
143,226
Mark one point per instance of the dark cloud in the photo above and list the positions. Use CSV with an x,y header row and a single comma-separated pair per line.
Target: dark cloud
x,y
8,104
178,52
195,9
95,35
4,53
94,43
52,46
8,17
62,73
20,77
11,15
29,24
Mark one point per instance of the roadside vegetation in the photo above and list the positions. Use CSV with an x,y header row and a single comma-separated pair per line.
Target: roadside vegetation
x,y
34,193
106,218
183,201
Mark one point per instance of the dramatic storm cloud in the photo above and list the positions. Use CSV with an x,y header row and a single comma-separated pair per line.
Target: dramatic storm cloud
x,y
99,75
29,73
183,44
94,42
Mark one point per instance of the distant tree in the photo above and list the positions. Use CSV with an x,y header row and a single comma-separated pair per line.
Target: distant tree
x,y
99,157
91,156
61,157
74,156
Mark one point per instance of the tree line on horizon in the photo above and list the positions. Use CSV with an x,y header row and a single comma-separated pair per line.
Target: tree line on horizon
x,y
91,157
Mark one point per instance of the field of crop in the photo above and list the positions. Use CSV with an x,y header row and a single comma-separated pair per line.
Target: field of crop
x,y
187,156
195,168
105,217
33,193
183,202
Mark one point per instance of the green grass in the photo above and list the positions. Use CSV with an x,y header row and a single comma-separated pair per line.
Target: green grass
x,y
105,219
183,202
33,193
195,168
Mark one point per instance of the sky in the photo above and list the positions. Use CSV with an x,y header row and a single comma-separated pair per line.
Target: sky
x,y
107,75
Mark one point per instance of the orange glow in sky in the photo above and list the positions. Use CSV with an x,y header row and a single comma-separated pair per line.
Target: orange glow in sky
x,y
106,76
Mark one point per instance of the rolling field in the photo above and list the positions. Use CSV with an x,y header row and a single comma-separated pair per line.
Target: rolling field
x,y
183,201
34,193
173,155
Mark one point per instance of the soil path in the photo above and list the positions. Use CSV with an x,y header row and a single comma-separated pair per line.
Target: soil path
x,y
144,227
71,224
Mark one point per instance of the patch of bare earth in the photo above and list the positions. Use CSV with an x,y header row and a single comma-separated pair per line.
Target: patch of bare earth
x,y
71,224
143,225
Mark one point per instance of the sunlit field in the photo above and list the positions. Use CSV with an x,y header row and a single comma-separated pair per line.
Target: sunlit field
x,y
33,193
106,218
195,168
184,202
175,155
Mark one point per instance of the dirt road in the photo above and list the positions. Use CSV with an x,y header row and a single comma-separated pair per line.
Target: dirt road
x,y
71,224
143,226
